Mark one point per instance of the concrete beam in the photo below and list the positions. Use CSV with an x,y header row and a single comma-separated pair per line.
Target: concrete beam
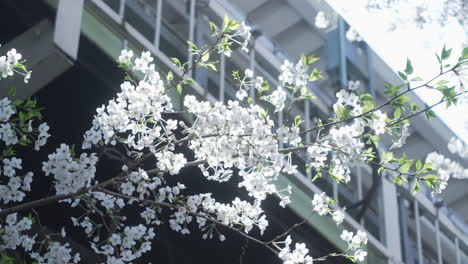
x,y
42,58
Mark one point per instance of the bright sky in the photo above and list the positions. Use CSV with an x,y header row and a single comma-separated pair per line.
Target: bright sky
x,y
410,41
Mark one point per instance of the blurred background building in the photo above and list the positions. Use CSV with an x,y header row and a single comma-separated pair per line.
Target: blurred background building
x,y
71,44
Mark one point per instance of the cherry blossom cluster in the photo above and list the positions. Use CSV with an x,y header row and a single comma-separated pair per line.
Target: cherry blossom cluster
x,y
321,20
294,74
240,213
170,162
6,110
321,205
15,234
403,134
139,182
446,169
12,233
137,109
342,147
249,82
13,189
456,146
70,173
107,201
202,207
126,246
57,253
356,243
234,32
229,136
297,256
352,35
42,136
277,98
8,133
11,64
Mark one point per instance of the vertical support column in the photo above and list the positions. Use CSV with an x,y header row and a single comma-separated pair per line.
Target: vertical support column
x,y
418,231
191,34
342,51
200,75
280,121
359,189
391,224
370,70
403,212
307,124
68,26
252,67
335,193
222,76
457,250
157,28
439,247
122,10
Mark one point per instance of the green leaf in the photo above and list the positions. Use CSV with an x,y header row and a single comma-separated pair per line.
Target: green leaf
x,y
22,116
263,113
193,47
397,114
389,157
317,176
297,120
379,170
311,59
418,165
265,86
399,180
72,150
445,53
409,67
179,88
21,67
402,76
303,59
315,75
225,22
438,58
406,166
417,79
210,66
213,27
365,96
176,61
430,114
235,75
170,76
464,53
189,81
341,112
415,107
441,82
205,57
416,188
12,92
430,180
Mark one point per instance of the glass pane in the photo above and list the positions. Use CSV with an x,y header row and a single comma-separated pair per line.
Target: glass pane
x,y
141,14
